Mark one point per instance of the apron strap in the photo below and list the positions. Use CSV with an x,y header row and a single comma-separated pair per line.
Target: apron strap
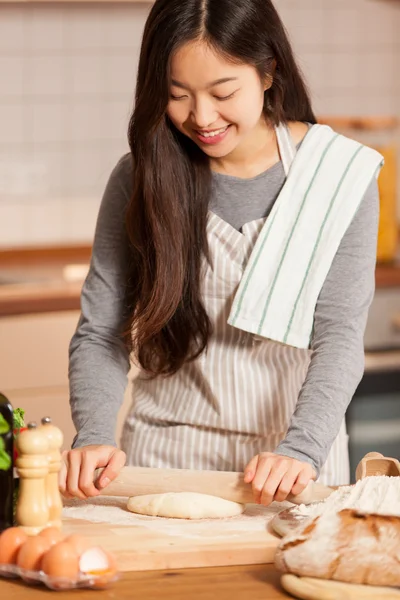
x,y
287,148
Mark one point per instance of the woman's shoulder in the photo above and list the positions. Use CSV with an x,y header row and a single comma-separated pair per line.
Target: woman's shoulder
x,y
119,186
298,130
124,167
121,177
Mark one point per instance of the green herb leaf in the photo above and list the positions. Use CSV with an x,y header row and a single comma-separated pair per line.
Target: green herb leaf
x,y
5,461
4,426
18,415
5,458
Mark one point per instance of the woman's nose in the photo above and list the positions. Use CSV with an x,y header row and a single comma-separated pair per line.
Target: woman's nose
x,y
204,114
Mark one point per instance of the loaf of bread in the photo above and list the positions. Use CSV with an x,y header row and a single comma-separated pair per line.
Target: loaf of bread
x,y
348,546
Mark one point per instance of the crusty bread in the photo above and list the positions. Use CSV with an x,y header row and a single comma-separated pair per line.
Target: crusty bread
x,y
347,546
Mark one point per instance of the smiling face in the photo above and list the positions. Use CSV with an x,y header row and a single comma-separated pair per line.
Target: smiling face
x,y
216,103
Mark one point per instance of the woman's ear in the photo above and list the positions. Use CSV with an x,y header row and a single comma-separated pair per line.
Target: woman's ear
x,y
269,80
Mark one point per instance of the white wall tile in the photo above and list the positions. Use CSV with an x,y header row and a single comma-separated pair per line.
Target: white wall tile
x,y
68,76
318,100
378,19
125,25
12,123
313,67
306,27
85,26
87,75
49,122
46,76
12,29
115,118
378,103
12,224
11,75
22,175
84,120
81,216
45,28
86,169
343,26
340,102
53,159
120,73
342,70
379,69
44,222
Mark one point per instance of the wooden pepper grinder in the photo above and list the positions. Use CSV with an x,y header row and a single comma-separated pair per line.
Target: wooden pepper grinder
x,y
55,440
32,513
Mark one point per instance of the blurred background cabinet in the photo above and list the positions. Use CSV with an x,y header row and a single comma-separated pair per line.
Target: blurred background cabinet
x,y
34,367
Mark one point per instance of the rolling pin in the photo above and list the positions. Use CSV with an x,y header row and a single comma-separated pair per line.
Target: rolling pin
x,y
139,481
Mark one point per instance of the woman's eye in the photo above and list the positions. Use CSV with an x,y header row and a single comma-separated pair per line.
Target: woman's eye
x,y
222,98
177,97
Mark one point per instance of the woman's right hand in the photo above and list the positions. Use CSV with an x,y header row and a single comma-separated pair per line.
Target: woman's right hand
x,y
76,477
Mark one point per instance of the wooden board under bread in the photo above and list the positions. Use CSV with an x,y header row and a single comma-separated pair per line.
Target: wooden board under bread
x,y
152,543
286,521
308,588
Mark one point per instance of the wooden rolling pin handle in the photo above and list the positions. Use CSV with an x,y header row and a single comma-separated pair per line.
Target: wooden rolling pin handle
x,y
138,481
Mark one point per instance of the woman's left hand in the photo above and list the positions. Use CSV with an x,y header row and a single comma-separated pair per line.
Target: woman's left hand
x,y
274,477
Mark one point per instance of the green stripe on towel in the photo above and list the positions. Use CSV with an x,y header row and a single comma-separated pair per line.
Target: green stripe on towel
x,y
271,291
328,212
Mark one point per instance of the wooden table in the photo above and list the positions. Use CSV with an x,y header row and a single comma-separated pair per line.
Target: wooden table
x,y
222,583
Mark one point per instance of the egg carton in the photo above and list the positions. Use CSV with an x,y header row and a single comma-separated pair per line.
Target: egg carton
x,y
99,582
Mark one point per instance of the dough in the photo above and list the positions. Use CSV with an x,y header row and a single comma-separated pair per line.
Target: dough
x,y
184,505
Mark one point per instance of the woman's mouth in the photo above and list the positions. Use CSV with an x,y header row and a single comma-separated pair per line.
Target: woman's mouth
x,y
212,136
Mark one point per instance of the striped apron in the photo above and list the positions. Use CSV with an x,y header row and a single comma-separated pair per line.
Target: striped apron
x,y
236,400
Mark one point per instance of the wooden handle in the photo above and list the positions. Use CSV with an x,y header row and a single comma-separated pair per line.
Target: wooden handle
x,y
138,481
374,464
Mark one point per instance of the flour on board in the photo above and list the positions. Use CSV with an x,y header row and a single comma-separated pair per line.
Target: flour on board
x,y
379,495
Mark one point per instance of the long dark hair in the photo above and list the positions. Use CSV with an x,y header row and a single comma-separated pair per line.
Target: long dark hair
x,y
167,215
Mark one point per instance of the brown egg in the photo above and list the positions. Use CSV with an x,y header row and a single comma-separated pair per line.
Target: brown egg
x,y
11,541
53,534
78,542
108,576
31,553
99,564
61,561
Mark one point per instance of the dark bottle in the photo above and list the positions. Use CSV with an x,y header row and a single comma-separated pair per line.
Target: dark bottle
x,y
6,463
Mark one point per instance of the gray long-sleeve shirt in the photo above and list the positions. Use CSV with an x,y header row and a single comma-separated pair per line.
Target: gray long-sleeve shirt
x,y
99,362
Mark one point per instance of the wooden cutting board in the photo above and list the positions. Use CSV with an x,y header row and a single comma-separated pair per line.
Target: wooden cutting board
x,y
150,543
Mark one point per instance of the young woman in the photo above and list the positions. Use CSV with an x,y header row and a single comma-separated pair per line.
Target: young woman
x,y
244,307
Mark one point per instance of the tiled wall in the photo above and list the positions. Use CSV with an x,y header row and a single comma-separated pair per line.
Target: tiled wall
x,y
67,74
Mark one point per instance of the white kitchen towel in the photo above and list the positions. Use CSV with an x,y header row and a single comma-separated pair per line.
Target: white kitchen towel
x,y
278,292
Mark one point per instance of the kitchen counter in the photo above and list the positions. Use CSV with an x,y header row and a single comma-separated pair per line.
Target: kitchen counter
x,y
48,280
42,280
257,582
